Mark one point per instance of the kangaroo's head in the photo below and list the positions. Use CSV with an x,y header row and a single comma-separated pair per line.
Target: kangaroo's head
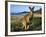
x,y
31,9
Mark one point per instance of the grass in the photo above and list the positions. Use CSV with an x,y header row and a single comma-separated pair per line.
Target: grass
x,y
36,25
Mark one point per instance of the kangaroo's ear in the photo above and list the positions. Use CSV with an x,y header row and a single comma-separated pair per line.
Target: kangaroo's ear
x,y
30,8
33,8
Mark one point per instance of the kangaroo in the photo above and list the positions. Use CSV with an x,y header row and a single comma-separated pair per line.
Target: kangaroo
x,y
26,20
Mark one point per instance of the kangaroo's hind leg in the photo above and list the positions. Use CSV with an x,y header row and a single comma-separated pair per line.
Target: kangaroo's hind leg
x,y
27,27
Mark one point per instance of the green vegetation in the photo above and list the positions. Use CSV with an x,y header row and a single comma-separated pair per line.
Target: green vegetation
x,y
36,25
